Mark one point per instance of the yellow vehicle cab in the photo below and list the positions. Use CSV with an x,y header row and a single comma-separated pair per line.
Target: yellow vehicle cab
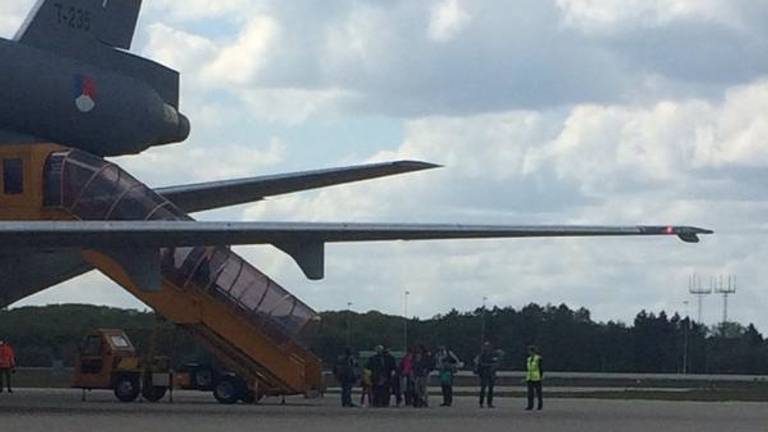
x,y
108,360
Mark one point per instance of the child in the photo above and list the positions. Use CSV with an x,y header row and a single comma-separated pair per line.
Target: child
x,y
367,385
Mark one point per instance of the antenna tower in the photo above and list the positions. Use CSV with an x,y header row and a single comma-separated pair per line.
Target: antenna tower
x,y
695,288
726,288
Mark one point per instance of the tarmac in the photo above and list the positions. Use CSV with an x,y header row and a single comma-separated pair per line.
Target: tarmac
x,y
62,410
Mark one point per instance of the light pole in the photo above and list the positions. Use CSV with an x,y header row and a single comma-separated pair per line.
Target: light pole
x,y
405,321
349,327
482,324
685,339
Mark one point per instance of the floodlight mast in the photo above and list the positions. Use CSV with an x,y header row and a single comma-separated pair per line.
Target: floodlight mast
x,y
349,326
686,330
482,323
405,320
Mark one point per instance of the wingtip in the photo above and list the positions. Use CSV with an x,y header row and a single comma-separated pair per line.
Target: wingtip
x,y
687,234
691,234
417,165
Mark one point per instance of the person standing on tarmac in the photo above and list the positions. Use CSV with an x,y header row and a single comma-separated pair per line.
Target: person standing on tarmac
x,y
390,366
7,364
382,366
422,366
447,364
397,385
407,377
533,377
346,372
366,385
486,364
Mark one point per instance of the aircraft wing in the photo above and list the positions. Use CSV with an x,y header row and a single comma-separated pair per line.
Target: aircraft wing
x,y
206,196
304,242
95,234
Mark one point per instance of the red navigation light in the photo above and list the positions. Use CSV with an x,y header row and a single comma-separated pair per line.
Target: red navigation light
x,y
670,230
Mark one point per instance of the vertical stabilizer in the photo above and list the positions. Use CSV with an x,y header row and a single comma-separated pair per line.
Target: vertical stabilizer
x,y
64,25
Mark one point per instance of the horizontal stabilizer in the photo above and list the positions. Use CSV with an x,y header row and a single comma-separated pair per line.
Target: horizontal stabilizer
x,y
207,196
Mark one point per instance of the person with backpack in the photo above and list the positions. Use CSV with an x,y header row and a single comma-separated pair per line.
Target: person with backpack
x,y
447,364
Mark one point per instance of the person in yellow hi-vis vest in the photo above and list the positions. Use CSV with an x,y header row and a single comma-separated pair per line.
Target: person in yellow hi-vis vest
x,y
533,377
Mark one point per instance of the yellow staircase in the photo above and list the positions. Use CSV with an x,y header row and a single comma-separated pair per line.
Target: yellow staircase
x,y
247,320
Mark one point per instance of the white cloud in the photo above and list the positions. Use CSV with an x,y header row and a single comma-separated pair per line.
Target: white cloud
x,y
293,106
180,50
239,63
385,54
204,161
592,15
739,133
203,9
663,145
447,21
176,48
358,40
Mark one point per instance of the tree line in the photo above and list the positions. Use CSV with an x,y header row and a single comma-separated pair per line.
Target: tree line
x,y
569,339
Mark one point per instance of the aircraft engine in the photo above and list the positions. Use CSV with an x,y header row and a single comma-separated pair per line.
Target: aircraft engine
x,y
68,102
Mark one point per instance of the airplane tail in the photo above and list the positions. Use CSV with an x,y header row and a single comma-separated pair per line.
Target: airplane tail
x,y
75,24
97,32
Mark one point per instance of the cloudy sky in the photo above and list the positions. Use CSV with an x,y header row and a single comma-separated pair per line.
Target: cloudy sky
x,y
542,111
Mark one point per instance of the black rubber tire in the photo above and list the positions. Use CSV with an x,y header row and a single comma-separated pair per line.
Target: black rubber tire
x,y
153,394
202,378
248,397
227,391
127,388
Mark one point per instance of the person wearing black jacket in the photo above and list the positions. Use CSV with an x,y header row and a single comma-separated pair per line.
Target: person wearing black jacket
x,y
390,367
382,366
486,364
346,372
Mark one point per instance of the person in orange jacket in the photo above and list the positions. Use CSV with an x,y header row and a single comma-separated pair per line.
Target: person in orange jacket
x,y
7,364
